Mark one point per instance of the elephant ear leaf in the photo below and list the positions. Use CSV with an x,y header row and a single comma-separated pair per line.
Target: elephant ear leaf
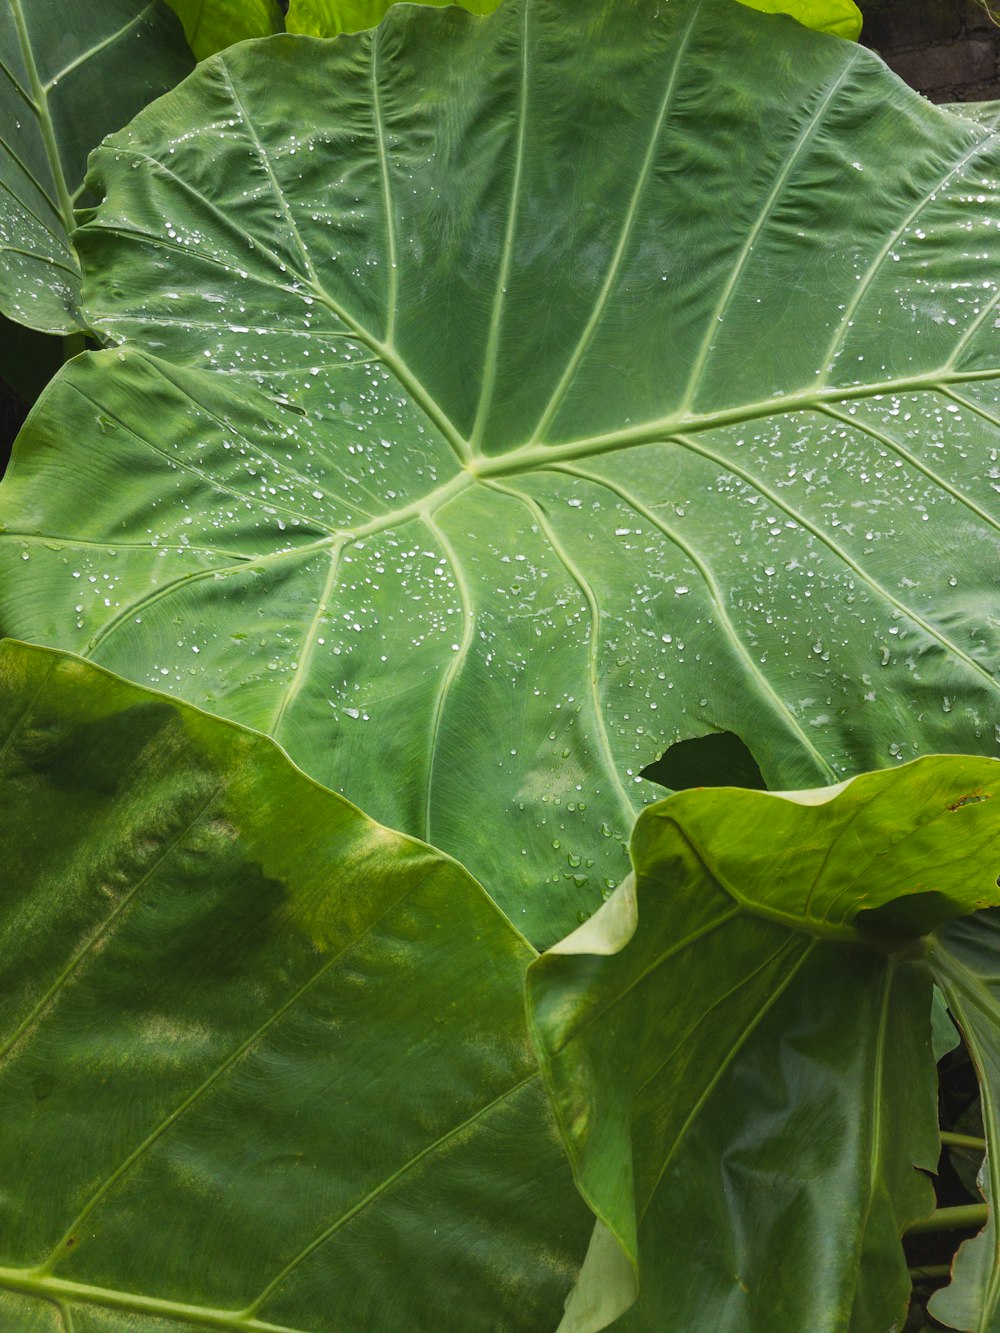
x,y
253,1044
768,952
71,75
480,400
328,18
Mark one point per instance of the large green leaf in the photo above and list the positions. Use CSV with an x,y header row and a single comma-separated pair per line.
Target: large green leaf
x,y
738,1048
329,18
264,1062
71,71
212,25
965,961
502,400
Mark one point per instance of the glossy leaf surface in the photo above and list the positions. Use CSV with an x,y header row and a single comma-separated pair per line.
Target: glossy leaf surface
x,y
738,1047
212,25
329,18
479,438
964,959
264,1061
71,71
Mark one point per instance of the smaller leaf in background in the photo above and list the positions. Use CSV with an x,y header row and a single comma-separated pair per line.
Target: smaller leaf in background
x,y
965,958
840,17
719,759
258,1053
212,25
731,1072
327,18
72,74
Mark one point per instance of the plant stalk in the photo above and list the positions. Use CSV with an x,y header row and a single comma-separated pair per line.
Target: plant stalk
x,y
950,1140
963,1218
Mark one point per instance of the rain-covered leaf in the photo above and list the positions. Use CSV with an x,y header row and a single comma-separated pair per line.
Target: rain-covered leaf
x,y
502,400
264,1063
738,1048
840,17
70,72
328,18
212,25
966,962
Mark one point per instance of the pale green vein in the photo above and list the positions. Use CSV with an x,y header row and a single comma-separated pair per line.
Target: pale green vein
x,y
455,666
390,222
724,1064
885,438
593,647
976,409
52,543
489,372
60,1250
56,1289
876,1143
384,1186
45,124
631,213
308,646
913,616
840,333
98,47
280,197
974,326
46,1001
529,457
717,316
778,705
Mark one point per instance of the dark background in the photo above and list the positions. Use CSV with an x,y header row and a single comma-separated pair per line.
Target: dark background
x,y
949,50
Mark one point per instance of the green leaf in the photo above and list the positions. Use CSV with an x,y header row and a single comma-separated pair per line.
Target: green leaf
x,y
264,1061
71,74
840,17
328,18
738,1047
964,960
212,25
479,437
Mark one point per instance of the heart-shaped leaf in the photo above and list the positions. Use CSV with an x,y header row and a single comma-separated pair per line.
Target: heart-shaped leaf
x,y
264,1064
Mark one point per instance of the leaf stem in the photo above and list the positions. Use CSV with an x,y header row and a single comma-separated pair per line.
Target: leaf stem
x,y
929,1271
963,1218
950,1140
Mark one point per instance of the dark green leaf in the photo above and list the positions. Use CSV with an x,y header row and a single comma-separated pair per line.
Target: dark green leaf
x,y
70,73
744,1079
263,1061
490,408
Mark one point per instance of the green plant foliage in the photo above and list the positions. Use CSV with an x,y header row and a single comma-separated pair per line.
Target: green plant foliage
x,y
964,957
738,1046
479,437
71,73
212,25
264,1061
328,18
840,17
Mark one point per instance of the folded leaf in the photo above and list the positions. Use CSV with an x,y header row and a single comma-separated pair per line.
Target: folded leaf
x,y
263,1061
964,959
738,1048
479,436
72,73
